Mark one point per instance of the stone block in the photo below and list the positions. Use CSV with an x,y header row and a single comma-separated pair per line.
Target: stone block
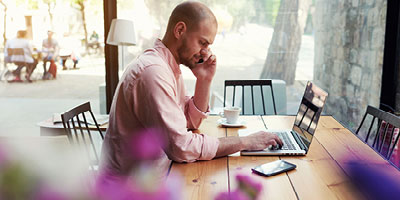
x,y
365,81
354,3
353,56
363,58
356,73
377,38
356,39
373,17
345,70
337,65
369,2
345,37
365,38
350,90
372,59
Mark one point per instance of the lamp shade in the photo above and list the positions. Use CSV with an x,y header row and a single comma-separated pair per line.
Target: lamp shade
x,y
121,33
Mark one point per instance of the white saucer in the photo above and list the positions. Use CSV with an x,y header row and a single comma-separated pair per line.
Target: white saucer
x,y
223,123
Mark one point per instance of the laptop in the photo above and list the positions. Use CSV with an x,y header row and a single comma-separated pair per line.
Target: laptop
x,y
297,141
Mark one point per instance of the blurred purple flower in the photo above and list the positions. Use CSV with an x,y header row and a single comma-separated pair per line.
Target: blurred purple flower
x,y
3,157
247,189
48,193
248,186
373,181
235,195
110,187
146,144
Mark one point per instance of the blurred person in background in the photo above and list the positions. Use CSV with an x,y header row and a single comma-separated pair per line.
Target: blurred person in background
x,y
19,51
50,50
68,48
94,42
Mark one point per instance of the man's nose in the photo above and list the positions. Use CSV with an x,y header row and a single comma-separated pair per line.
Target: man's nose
x,y
204,52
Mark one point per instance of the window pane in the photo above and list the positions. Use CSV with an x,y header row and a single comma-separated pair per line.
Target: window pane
x,y
336,44
25,105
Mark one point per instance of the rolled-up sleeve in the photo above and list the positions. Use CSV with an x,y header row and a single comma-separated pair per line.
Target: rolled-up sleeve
x,y
194,116
155,92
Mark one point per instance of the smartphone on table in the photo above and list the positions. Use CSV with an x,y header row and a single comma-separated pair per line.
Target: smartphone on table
x,y
273,168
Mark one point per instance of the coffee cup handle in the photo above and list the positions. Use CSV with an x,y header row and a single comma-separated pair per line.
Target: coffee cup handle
x,y
221,114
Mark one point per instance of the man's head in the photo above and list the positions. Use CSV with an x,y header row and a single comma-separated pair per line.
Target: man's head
x,y
22,34
191,29
50,34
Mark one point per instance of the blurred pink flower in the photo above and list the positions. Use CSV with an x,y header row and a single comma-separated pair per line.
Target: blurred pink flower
x,y
247,189
249,186
235,195
3,156
48,193
146,145
110,187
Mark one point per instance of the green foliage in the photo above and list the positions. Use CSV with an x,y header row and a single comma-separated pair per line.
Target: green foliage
x,y
78,1
16,182
49,1
242,11
31,4
271,10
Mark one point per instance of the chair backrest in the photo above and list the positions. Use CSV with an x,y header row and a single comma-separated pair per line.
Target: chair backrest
x,y
78,131
384,134
253,85
15,51
307,113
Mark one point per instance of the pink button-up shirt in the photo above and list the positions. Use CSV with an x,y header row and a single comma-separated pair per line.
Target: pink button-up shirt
x,y
151,94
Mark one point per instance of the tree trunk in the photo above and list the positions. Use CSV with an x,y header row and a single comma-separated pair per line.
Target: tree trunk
x,y
5,22
82,9
283,51
50,15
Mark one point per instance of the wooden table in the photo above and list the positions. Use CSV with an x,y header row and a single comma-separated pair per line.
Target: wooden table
x,y
321,174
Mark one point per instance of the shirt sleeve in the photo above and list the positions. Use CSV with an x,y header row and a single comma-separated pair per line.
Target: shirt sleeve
x,y
194,116
156,106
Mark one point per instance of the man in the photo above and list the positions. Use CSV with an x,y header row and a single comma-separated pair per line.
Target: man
x,y
50,51
19,51
151,94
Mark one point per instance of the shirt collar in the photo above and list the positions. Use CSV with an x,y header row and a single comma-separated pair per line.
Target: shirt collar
x,y
167,56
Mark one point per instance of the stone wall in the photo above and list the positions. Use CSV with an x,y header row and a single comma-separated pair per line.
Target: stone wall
x,y
349,41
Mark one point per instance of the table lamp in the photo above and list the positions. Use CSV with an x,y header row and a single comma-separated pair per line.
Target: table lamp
x,y
122,34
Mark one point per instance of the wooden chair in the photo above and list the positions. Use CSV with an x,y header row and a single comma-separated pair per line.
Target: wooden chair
x,y
12,52
384,134
77,128
260,85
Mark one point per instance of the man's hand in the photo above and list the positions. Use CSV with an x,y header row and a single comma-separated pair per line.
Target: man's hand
x,y
205,71
260,140
256,141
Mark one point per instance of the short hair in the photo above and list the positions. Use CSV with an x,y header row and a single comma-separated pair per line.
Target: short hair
x,y
22,33
191,13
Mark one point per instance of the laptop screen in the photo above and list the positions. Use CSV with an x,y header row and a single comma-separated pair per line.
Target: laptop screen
x,y
309,112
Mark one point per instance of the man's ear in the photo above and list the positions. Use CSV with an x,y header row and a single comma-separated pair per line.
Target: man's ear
x,y
180,29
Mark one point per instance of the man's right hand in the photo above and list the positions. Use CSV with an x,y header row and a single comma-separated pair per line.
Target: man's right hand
x,y
256,141
260,140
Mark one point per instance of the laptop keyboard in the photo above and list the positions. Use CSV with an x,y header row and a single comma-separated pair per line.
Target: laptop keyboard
x,y
287,143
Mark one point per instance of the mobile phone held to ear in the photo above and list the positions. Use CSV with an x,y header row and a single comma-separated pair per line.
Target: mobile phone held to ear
x,y
273,168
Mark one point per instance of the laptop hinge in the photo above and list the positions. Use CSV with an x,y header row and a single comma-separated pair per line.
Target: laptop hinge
x,y
299,141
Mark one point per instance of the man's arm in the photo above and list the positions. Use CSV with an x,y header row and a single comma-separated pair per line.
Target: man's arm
x,y
204,73
256,141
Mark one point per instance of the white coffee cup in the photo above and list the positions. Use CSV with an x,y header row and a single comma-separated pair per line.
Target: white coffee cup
x,y
231,114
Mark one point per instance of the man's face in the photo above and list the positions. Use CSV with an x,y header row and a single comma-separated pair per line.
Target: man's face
x,y
192,42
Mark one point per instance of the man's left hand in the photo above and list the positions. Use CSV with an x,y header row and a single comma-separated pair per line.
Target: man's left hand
x,y
206,70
